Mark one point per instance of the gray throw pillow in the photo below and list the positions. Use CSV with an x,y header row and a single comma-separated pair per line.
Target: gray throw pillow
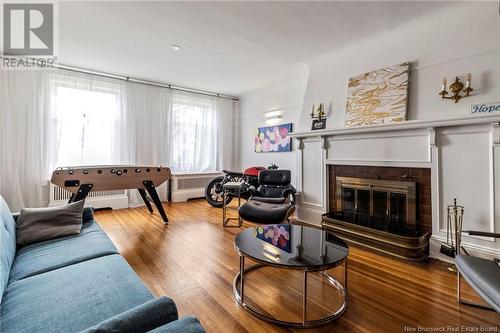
x,y
39,224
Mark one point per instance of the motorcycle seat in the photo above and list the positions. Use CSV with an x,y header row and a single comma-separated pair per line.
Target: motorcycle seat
x,y
233,173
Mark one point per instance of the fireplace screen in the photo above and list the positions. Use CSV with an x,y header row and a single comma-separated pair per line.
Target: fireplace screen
x,y
379,204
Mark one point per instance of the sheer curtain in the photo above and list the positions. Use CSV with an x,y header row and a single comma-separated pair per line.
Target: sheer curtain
x,y
227,144
148,108
92,121
193,121
28,139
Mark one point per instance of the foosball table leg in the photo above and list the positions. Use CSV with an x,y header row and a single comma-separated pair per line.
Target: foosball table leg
x,y
144,197
81,194
150,187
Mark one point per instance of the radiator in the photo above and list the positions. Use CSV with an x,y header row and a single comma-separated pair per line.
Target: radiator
x,y
190,185
97,199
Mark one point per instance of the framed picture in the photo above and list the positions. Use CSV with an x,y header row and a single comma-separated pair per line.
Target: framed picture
x,y
273,138
378,97
318,124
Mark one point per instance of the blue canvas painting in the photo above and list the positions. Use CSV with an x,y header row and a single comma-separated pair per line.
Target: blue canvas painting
x,y
273,138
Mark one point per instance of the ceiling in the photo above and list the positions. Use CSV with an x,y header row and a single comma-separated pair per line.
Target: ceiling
x,y
226,47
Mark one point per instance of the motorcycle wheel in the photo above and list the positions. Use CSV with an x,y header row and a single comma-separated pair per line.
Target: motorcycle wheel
x,y
213,192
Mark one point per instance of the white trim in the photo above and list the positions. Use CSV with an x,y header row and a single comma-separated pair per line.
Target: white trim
x,y
401,164
491,173
473,249
492,179
184,195
407,125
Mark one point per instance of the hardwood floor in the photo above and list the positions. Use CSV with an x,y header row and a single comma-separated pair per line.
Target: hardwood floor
x,y
193,261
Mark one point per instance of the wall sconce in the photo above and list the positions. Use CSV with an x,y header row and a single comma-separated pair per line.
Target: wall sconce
x,y
320,112
273,117
456,87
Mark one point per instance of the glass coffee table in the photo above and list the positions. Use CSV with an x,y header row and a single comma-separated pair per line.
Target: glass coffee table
x,y
294,247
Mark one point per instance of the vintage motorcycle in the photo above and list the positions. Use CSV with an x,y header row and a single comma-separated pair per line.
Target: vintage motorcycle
x,y
250,177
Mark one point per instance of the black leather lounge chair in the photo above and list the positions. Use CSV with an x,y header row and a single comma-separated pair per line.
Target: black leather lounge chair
x,y
274,200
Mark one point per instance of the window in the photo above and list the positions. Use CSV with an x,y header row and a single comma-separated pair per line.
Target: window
x,y
86,121
193,133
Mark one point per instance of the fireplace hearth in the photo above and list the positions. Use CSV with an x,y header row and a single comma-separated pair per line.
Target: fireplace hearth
x,y
380,208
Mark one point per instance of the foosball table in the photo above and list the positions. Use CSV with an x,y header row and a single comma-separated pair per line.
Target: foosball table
x,y
83,179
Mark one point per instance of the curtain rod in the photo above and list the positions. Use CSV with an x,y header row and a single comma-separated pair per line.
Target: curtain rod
x,y
140,81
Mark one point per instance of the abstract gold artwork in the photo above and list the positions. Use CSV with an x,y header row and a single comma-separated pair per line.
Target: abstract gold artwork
x,y
378,97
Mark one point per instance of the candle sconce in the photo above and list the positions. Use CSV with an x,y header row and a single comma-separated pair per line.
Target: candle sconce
x,y
456,87
319,113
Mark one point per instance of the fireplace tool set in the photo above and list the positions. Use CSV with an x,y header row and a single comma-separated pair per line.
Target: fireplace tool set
x,y
455,217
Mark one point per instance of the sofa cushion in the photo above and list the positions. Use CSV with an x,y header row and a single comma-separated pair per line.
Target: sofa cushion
x,y
184,325
45,256
72,298
483,275
7,244
142,318
39,224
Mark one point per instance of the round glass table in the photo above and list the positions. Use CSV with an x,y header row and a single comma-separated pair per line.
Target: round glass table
x,y
296,247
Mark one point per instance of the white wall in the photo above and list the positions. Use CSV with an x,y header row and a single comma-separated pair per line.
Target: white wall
x,y
287,97
453,41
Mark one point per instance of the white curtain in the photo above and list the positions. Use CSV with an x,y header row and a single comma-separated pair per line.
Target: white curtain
x,y
148,108
92,119
28,137
193,123
202,130
227,146
59,118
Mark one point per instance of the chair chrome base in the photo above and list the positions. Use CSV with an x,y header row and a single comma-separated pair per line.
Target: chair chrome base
x,y
238,291
225,219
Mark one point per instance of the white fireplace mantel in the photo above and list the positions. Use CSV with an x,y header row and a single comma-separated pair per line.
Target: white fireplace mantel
x,y
462,153
407,125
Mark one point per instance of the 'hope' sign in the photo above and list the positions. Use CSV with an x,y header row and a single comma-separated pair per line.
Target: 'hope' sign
x,y
485,108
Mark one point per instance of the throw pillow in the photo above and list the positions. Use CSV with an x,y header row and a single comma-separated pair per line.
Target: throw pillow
x,y
39,224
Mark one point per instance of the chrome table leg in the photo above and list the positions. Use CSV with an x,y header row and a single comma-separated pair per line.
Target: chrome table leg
x,y
224,222
242,284
304,300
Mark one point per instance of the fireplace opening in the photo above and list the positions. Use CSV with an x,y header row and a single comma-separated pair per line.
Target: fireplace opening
x,y
383,208
384,205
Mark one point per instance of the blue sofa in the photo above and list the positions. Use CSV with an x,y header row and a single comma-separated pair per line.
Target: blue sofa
x,y
77,283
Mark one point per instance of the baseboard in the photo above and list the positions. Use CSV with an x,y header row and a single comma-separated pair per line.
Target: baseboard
x,y
472,249
184,195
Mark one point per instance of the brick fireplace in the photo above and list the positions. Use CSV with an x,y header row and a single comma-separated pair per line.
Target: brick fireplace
x,y
385,208
445,158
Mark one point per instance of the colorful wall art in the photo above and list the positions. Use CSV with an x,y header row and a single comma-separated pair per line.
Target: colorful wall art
x,y
275,234
378,97
273,138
